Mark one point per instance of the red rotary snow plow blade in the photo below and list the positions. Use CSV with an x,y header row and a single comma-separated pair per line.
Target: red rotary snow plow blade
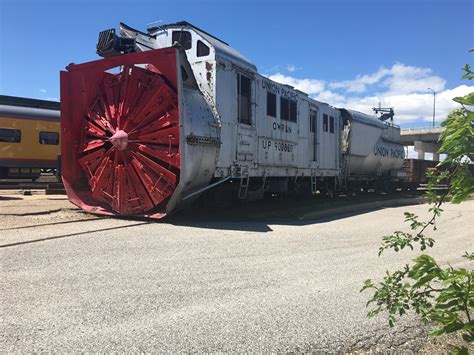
x,y
120,133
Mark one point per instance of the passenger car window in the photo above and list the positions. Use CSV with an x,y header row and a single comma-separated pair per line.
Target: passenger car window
x,y
202,50
51,138
183,38
10,135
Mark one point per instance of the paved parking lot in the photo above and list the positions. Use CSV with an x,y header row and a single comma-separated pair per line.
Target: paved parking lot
x,y
74,282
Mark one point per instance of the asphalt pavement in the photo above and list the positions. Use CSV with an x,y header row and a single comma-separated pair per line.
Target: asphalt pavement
x,y
74,282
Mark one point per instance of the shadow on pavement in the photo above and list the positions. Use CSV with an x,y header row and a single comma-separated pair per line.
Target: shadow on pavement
x,y
10,198
258,215
70,235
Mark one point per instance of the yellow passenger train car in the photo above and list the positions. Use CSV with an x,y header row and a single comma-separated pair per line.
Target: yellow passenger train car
x,y
29,136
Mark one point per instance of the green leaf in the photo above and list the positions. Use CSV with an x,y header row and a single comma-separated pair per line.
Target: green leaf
x,y
449,328
469,256
367,284
459,351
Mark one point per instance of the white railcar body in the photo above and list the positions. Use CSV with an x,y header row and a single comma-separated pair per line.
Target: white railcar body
x,y
296,137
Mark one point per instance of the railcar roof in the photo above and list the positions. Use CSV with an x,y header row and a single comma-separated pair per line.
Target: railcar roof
x,y
222,48
188,24
27,102
364,118
22,112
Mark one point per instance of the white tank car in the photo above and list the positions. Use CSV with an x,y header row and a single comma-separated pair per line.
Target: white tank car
x,y
371,148
268,135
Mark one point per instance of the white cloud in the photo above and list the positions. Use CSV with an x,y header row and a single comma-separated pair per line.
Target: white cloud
x,y
310,86
292,68
275,69
333,98
43,91
404,79
360,83
399,79
414,106
402,86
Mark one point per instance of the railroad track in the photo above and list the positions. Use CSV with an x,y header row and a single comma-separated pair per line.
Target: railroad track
x,y
49,184
15,185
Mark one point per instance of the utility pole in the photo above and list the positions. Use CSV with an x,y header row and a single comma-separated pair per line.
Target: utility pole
x,y
434,105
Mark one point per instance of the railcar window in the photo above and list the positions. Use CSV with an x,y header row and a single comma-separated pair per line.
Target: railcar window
x,y
244,97
183,38
312,121
325,122
313,127
293,111
288,109
271,104
284,109
51,138
202,50
331,124
10,135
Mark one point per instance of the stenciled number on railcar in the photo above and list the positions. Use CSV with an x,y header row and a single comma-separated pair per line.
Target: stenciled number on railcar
x,y
277,146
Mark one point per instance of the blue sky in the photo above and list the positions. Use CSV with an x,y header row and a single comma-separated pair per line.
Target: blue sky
x,y
347,53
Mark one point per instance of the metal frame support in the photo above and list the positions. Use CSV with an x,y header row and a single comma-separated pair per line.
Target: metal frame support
x,y
264,181
313,184
206,188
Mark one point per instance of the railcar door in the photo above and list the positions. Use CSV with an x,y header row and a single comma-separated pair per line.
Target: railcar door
x,y
329,139
313,134
246,119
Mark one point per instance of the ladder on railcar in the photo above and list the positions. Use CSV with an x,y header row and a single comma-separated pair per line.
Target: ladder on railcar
x,y
243,173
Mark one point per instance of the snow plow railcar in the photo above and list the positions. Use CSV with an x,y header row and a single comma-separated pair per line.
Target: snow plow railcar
x,y
175,112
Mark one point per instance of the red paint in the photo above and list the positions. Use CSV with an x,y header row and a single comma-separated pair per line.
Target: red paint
x,y
120,133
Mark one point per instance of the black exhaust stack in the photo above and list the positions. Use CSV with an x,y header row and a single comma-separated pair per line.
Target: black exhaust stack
x,y
109,44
